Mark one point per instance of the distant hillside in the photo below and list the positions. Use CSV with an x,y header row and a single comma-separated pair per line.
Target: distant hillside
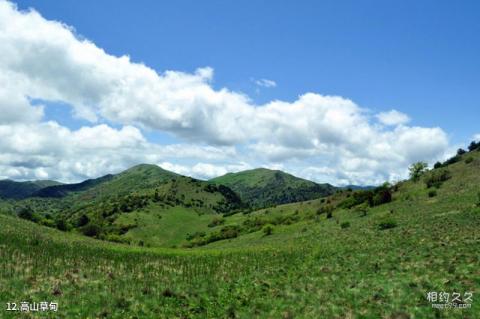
x,y
358,187
18,190
143,176
144,203
65,189
262,187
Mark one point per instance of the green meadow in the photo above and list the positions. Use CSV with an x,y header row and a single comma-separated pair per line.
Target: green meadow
x,y
323,258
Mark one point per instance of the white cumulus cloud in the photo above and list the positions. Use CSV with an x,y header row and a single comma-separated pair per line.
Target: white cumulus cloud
x,y
217,128
393,117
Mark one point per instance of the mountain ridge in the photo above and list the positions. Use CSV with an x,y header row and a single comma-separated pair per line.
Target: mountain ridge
x,y
10,189
262,187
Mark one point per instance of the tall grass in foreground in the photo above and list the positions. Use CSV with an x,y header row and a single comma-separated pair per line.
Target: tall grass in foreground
x,y
371,274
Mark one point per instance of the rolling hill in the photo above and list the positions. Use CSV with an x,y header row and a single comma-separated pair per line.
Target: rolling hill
x,y
149,205
262,187
349,255
144,204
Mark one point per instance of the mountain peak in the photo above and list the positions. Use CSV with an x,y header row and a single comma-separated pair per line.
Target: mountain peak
x,y
144,166
148,170
261,187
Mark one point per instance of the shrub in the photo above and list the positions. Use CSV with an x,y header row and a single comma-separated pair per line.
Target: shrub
x,y
473,146
378,196
461,151
197,234
216,222
469,160
362,209
27,213
437,165
329,214
327,209
417,170
382,195
452,160
387,223
91,230
118,239
227,232
432,193
254,224
349,202
267,229
436,179
345,225
61,225
285,219
82,221
47,222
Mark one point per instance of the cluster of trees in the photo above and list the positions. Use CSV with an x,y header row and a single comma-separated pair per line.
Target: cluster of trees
x,y
27,213
474,146
123,204
375,197
436,178
231,202
216,222
256,223
201,238
279,192
327,210
133,202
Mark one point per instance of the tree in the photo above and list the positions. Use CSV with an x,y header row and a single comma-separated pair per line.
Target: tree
x,y
461,151
382,195
417,169
27,213
91,230
473,146
437,165
83,220
61,225
267,229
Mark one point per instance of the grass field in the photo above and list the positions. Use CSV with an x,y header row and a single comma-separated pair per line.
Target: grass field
x,y
310,267
165,228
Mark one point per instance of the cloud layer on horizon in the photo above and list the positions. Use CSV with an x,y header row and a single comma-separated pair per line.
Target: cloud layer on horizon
x,y
321,137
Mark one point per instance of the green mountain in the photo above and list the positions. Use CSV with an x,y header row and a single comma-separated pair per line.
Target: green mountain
x,y
142,204
139,177
17,190
262,187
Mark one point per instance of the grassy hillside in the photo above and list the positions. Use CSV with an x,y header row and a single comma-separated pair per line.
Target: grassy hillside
x,y
139,205
451,189
263,187
355,254
309,266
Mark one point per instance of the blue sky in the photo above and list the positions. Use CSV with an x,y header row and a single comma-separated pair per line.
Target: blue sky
x,y
419,58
